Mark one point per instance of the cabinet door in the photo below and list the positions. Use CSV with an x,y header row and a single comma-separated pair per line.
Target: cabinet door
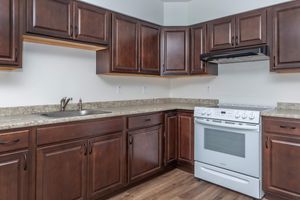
x,y
106,164
198,47
144,152
50,17
61,172
251,28
286,31
124,44
91,23
175,51
281,164
9,29
170,137
221,33
186,138
14,176
149,49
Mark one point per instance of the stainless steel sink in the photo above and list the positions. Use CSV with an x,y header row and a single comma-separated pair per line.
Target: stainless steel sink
x,y
73,113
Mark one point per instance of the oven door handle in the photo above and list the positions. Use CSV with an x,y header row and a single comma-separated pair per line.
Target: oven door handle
x,y
221,124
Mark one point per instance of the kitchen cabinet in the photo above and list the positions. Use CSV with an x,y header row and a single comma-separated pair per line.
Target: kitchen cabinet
x,y
285,19
144,152
198,47
61,171
246,29
125,43
106,164
68,19
175,51
149,49
10,39
281,158
73,163
170,138
135,48
186,138
14,165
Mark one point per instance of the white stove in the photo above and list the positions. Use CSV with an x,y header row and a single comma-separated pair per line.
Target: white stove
x,y
228,147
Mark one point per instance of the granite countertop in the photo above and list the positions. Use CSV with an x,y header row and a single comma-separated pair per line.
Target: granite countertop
x,y
284,110
29,120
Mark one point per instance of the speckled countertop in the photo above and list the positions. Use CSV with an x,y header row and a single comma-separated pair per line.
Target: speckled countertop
x,y
284,110
30,120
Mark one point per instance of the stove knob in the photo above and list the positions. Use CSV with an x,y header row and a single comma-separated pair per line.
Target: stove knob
x,y
244,116
237,115
209,113
252,116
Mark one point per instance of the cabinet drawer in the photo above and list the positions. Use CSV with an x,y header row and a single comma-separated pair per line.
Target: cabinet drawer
x,y
144,120
14,140
282,126
60,133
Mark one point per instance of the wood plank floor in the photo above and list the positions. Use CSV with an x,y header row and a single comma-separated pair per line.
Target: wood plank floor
x,y
178,185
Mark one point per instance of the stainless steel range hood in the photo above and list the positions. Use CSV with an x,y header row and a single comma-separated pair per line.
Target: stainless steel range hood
x,y
237,55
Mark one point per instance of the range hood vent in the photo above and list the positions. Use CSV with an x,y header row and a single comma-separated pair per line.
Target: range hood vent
x,y
237,56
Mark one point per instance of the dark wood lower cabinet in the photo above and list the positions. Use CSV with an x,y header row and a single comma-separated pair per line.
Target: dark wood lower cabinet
x,y
170,137
144,152
281,159
61,171
106,164
186,138
14,176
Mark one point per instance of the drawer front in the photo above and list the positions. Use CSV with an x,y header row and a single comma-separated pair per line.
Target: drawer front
x,y
144,120
282,126
10,141
53,134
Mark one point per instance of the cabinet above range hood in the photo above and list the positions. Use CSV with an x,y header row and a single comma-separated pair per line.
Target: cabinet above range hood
x,y
237,55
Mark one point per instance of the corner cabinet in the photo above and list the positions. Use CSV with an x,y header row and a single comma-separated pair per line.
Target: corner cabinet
x,y
285,20
10,38
175,51
246,29
68,19
281,158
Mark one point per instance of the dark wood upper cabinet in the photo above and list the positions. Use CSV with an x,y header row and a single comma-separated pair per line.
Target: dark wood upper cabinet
x,y
175,51
106,164
251,28
286,40
14,176
50,17
221,33
91,23
170,137
61,171
125,43
186,138
198,47
149,49
10,39
144,152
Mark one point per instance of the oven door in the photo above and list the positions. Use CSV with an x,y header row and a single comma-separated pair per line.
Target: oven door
x,y
230,145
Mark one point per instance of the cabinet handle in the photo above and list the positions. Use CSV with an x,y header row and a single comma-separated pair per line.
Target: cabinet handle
x,y
130,139
9,142
237,40
91,147
232,41
25,162
267,143
71,30
76,31
16,54
288,127
147,120
85,149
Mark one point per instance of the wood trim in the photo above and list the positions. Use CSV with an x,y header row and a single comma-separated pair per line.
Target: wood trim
x,y
62,43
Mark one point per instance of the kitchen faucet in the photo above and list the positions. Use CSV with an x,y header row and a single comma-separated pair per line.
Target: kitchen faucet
x,y
64,102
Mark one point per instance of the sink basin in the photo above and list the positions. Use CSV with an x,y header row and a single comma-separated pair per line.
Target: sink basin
x,y
74,113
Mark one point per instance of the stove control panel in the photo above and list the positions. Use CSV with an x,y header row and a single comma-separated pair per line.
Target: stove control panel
x,y
228,114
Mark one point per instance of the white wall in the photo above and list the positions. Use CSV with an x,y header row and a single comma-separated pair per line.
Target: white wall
x,y
241,83
50,73
176,13
150,10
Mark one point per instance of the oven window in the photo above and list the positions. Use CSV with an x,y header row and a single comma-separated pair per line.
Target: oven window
x,y
225,142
